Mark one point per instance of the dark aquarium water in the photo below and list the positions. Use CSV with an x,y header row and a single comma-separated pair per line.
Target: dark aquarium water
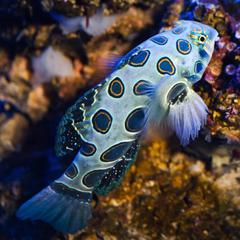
x,y
53,51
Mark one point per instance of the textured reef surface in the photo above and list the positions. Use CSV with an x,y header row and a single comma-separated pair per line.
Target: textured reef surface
x,y
51,52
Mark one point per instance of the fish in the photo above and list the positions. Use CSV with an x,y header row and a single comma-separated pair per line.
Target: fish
x,y
102,131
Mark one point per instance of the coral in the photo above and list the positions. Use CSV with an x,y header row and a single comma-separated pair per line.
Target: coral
x,y
73,8
37,103
50,64
12,134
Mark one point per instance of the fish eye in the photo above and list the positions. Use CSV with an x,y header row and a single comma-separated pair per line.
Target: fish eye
x,y
202,39
199,37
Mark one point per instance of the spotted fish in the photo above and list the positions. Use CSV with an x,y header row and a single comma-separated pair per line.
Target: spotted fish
x,y
100,132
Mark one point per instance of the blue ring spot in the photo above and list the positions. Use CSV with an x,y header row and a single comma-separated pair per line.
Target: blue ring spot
x,y
161,40
178,30
115,152
102,121
139,59
87,149
94,177
198,67
203,53
116,88
71,171
142,87
166,66
183,46
136,120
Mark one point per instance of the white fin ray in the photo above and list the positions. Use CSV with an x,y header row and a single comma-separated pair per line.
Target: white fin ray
x,y
186,118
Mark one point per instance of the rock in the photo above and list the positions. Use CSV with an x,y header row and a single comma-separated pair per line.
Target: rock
x,y
12,134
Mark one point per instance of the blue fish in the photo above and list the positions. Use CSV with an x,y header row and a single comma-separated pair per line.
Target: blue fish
x,y
101,131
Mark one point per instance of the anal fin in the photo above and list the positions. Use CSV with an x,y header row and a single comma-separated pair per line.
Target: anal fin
x,y
113,177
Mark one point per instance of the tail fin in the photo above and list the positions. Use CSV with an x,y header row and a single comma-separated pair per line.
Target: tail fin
x,y
64,212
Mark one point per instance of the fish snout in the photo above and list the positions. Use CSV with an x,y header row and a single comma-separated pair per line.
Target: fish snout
x,y
213,35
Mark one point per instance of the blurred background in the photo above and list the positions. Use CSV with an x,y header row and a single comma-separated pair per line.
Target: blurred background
x,y
51,52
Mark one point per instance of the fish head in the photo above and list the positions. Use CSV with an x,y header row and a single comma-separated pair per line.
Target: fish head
x,y
177,107
195,43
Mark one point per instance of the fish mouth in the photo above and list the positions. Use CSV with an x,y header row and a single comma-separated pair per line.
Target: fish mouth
x,y
177,93
216,35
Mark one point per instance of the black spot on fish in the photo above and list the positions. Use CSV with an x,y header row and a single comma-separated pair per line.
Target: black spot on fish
x,y
142,87
178,30
166,66
116,88
102,121
183,46
87,149
124,60
203,53
115,152
139,59
72,171
198,67
161,40
135,120
94,177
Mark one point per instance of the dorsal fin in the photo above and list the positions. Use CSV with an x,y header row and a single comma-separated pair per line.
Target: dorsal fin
x,y
68,139
113,61
108,63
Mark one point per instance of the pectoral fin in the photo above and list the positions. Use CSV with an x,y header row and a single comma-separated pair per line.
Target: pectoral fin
x,y
187,113
177,108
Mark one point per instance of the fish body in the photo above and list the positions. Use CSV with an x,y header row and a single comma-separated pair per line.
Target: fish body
x,y
101,131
